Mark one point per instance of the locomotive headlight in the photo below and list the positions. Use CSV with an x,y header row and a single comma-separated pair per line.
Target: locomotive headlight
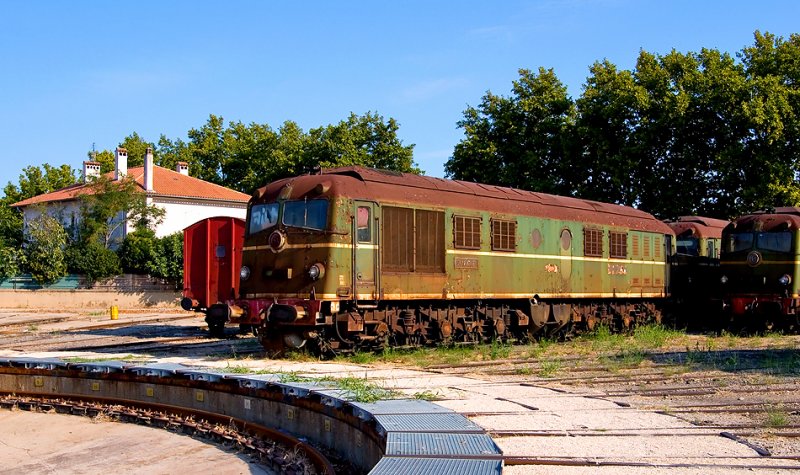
x,y
724,279
244,273
785,279
316,271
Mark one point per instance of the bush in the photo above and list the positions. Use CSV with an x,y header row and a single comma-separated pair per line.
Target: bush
x,y
143,253
93,260
138,250
11,261
44,250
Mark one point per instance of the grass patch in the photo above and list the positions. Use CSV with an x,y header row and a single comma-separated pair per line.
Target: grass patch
x,y
548,369
654,336
426,395
777,417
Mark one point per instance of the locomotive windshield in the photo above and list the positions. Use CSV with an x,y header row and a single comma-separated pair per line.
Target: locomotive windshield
x,y
688,246
778,242
311,214
263,217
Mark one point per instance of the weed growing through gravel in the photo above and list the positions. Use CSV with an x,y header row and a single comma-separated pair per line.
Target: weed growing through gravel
x,y
655,336
548,369
777,417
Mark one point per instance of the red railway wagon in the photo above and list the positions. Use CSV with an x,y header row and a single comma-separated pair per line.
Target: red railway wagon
x,y
212,257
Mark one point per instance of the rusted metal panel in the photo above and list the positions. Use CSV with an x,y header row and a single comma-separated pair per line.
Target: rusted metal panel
x,y
396,187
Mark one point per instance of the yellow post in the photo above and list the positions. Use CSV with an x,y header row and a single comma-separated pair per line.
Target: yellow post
x,y
114,312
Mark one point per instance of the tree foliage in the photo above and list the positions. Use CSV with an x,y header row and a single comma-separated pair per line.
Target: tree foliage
x,y
33,181
44,249
682,133
247,156
92,259
110,204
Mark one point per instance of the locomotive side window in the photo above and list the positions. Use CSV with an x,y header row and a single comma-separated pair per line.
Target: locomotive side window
x,y
504,235
618,245
263,217
592,242
363,229
566,239
311,214
466,232
779,242
740,242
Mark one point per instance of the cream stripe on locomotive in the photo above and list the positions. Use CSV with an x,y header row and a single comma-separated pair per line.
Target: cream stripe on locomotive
x,y
335,245
474,296
550,256
323,245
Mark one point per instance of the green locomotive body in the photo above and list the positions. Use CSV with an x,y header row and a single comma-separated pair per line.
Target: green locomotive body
x,y
760,271
361,258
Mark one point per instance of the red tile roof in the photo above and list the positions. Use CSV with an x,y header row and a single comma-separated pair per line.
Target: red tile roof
x,y
165,183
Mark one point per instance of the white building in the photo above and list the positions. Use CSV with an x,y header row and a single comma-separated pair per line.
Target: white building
x,y
184,199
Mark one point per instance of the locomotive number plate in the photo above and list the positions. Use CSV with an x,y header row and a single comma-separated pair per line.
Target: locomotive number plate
x,y
466,263
617,269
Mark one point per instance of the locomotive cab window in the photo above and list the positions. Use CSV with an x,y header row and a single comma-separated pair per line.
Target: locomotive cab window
x,y
306,214
740,242
618,245
504,235
263,216
466,232
774,241
688,246
363,228
592,242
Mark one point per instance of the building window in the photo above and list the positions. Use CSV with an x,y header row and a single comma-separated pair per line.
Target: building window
x,y
592,242
466,232
617,245
504,235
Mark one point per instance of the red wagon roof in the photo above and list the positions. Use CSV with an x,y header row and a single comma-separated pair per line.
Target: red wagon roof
x,y
699,226
783,218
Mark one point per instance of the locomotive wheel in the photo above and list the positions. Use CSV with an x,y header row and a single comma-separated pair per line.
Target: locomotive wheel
x,y
216,329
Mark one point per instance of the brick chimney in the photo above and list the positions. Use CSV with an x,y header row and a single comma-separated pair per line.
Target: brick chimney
x,y
148,169
120,163
91,169
182,168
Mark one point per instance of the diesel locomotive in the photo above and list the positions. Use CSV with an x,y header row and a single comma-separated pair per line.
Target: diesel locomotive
x,y
760,271
358,258
695,270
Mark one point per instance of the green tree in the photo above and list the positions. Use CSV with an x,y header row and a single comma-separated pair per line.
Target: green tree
x,y
136,147
108,205
359,140
12,261
33,181
93,260
44,249
522,141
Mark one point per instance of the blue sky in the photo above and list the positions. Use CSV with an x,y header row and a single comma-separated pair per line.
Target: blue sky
x,y
76,73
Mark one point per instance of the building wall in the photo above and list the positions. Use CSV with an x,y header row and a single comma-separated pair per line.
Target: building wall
x,y
183,213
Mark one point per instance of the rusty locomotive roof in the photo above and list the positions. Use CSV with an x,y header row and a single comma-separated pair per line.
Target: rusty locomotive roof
x,y
406,188
698,226
779,219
